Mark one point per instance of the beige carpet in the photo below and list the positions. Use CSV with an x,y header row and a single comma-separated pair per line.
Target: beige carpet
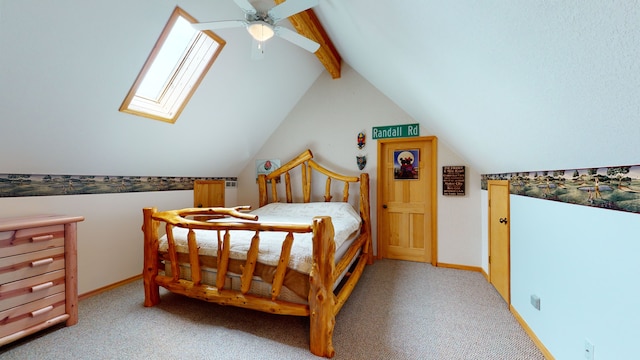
x,y
399,310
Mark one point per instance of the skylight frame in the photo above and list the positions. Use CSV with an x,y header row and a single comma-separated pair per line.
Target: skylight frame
x,y
202,51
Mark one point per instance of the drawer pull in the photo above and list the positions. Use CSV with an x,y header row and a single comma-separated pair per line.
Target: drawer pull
x,y
42,286
42,311
41,262
42,238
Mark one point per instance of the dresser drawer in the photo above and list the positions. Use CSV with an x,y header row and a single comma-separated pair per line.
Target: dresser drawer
x,y
30,289
32,239
38,270
21,266
33,313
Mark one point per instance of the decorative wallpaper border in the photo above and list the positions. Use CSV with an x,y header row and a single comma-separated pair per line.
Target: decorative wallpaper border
x,y
614,188
17,185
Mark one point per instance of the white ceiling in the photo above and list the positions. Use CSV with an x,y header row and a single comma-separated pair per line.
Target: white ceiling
x,y
509,85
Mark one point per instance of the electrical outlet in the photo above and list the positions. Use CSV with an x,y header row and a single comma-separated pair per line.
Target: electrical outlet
x,y
588,350
535,301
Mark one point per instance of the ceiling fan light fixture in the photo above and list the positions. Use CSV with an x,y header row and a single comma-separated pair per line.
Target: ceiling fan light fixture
x,y
260,30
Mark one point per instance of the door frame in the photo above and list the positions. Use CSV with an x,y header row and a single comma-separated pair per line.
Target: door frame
x,y
433,173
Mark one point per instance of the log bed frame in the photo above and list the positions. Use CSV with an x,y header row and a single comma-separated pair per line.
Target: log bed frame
x,y
323,304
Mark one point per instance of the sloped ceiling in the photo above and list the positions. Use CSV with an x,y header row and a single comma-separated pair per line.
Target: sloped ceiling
x,y
66,66
509,85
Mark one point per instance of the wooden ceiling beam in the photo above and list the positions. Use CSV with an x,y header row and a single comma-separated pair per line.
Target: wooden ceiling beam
x,y
308,25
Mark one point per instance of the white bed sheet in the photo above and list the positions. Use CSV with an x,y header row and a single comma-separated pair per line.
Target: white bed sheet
x,y
346,222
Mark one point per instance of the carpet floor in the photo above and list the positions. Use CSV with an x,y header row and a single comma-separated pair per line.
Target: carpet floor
x,y
399,310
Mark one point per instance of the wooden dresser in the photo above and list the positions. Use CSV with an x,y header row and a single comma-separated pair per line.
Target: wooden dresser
x,y
38,274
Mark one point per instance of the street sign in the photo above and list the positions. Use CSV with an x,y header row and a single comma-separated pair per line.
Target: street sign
x,y
395,131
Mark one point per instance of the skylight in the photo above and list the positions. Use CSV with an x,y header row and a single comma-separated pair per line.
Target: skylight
x,y
173,70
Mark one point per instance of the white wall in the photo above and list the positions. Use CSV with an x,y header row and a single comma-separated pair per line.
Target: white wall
x,y
110,241
583,264
484,219
459,223
110,237
327,120
59,115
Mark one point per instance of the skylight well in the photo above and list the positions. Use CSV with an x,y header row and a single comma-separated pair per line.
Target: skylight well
x,y
174,69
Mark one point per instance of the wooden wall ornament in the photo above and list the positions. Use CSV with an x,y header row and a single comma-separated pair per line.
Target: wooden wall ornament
x,y
266,167
361,161
362,140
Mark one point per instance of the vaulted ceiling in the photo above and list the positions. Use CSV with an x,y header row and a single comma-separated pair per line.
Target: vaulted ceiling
x,y
516,85
510,85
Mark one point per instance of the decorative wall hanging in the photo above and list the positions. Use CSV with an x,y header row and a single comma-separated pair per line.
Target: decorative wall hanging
x,y
405,164
362,161
17,185
361,140
267,166
615,188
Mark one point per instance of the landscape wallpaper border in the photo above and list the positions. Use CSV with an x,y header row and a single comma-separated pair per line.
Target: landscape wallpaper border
x,y
611,187
19,185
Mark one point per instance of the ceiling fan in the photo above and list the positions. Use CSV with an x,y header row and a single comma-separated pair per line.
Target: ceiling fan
x,y
262,24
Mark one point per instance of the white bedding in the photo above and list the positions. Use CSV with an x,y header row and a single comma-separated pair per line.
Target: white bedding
x,y
345,219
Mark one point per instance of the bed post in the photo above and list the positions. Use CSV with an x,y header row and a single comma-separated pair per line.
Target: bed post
x,y
263,197
365,213
321,298
150,271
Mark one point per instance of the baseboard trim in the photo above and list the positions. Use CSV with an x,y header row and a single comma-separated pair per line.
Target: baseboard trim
x,y
486,276
108,287
532,335
459,267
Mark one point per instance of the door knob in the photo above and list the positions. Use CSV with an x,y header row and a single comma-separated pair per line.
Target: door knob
x,y
503,220
384,206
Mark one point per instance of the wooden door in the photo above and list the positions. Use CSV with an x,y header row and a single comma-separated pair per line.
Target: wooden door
x,y
499,243
407,211
208,193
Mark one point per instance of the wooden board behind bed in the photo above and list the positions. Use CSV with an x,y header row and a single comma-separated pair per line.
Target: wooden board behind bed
x,y
323,304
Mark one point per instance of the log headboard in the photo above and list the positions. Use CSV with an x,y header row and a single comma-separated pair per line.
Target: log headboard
x,y
307,166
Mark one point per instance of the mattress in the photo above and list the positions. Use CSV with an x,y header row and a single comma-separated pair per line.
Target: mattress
x,y
346,222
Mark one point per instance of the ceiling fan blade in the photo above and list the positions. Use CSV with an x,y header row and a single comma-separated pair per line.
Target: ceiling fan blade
x,y
246,6
224,24
296,38
290,7
257,49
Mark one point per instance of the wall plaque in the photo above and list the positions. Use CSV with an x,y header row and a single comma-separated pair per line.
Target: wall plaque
x,y
453,180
